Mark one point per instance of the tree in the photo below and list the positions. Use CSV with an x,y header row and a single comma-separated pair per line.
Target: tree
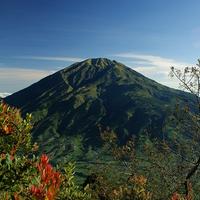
x,y
115,178
189,79
24,175
173,162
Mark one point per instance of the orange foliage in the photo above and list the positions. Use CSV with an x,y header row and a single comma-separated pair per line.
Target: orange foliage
x,y
49,180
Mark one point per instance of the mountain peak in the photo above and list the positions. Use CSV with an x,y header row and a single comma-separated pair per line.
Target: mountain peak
x,y
98,61
87,71
95,63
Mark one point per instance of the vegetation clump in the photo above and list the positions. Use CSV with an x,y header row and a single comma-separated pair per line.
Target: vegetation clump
x,y
24,175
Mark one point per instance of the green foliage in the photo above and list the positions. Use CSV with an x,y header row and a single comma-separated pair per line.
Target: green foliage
x,y
117,178
69,190
16,168
162,167
22,174
132,189
14,131
91,154
16,175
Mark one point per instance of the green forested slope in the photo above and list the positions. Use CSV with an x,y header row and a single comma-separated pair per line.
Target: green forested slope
x,y
69,105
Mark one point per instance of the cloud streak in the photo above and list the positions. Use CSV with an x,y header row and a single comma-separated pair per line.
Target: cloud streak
x,y
4,94
51,58
14,79
22,74
154,67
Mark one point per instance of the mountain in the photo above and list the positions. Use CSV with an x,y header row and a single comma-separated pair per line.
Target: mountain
x,y
69,105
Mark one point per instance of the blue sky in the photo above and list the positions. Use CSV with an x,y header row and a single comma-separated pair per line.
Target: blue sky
x,y
39,37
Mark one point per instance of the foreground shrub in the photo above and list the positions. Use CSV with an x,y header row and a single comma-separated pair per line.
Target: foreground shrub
x,y
22,174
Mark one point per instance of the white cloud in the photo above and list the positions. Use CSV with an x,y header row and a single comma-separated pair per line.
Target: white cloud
x,y
49,58
154,67
4,94
22,74
14,79
17,78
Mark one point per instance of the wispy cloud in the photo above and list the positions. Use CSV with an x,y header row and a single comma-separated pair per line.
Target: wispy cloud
x,y
22,74
154,67
14,79
4,94
51,58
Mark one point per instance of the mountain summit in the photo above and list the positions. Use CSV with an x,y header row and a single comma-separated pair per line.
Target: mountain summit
x,y
70,104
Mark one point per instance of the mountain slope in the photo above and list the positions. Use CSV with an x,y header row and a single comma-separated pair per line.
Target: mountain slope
x,y
69,105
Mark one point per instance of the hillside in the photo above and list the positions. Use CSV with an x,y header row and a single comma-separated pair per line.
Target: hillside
x,y
69,105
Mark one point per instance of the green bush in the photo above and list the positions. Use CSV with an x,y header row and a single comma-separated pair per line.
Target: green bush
x,y
24,175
